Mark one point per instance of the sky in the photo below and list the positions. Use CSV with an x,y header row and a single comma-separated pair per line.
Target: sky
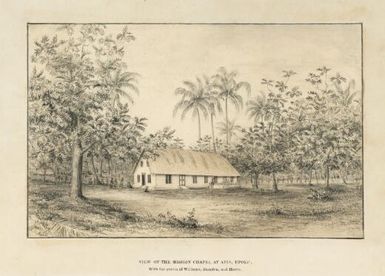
x,y
166,55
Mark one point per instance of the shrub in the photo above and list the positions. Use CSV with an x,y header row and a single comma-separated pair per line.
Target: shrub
x,y
132,217
274,211
320,195
188,221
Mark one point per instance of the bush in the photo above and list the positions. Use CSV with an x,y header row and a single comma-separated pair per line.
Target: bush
x,y
129,217
188,221
274,211
320,195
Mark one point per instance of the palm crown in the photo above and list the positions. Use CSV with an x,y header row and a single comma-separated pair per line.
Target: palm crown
x,y
227,87
194,99
259,108
230,128
120,82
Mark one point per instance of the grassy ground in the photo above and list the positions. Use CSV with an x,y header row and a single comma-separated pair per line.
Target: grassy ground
x,y
235,212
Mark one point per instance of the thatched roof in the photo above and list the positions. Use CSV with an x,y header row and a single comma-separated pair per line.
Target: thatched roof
x,y
189,162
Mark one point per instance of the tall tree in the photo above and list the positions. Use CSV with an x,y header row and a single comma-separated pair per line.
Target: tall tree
x,y
75,64
228,87
259,109
336,114
214,107
271,129
194,99
118,134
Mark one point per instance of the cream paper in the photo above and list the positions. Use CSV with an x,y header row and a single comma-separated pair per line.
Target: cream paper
x,y
22,256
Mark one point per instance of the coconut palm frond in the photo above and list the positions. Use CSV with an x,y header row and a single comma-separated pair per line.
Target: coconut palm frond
x,y
229,127
132,87
203,107
181,91
182,104
128,97
120,80
244,85
190,85
189,106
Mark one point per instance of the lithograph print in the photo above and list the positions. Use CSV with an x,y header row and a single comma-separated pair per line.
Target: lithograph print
x,y
195,130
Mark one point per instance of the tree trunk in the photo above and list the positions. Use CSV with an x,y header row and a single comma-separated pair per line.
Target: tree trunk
x,y
109,172
255,182
199,125
310,177
77,167
94,172
56,174
275,184
227,124
212,132
327,176
101,163
44,174
301,177
342,175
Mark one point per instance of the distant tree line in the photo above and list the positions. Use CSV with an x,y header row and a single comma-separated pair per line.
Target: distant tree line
x,y
291,132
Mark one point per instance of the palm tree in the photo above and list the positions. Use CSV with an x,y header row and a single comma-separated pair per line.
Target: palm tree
x,y
229,128
120,81
213,107
227,88
194,99
259,108
345,96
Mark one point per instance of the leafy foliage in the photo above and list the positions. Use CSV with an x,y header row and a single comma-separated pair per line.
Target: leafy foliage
x,y
293,131
79,100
